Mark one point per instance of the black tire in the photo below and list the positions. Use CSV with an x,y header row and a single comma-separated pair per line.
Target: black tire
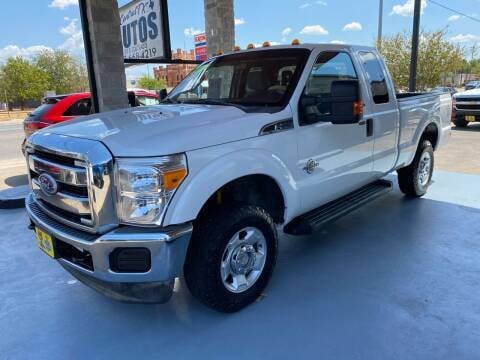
x,y
460,122
209,240
408,177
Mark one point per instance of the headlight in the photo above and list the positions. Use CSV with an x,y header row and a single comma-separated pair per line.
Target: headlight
x,y
145,186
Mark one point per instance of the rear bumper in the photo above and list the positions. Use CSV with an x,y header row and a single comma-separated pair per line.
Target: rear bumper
x,y
167,247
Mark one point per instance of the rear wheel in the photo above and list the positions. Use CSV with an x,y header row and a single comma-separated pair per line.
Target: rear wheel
x,y
414,179
231,257
460,122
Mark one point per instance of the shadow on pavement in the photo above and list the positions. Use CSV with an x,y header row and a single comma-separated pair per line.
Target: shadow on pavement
x,y
17,180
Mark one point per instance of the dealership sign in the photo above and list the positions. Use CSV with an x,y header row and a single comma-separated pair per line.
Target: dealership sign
x,y
144,27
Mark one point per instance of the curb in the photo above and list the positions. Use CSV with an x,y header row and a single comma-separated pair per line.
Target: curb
x,y
14,198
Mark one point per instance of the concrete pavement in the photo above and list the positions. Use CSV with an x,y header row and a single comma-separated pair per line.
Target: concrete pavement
x,y
397,279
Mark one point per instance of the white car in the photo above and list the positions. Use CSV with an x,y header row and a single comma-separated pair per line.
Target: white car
x,y
466,107
251,143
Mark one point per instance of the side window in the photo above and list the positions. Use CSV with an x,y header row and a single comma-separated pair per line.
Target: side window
x,y
81,107
315,103
376,76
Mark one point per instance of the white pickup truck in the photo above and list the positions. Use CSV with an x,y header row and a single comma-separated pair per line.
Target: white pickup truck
x,y
251,143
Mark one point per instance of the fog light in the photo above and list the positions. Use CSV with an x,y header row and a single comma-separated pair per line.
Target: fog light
x,y
130,260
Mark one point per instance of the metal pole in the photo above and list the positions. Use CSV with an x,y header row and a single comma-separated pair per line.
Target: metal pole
x,y
380,24
412,83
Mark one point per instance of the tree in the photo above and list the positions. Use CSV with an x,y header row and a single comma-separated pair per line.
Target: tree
x,y
438,59
149,83
22,81
66,74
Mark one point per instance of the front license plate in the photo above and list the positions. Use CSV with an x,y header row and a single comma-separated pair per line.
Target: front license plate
x,y
470,118
45,242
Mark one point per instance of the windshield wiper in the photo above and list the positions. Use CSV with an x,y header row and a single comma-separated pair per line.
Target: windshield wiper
x,y
213,102
168,101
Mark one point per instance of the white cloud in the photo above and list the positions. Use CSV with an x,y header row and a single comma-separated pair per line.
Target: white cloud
x,y
407,8
465,38
74,40
286,31
62,4
191,31
314,30
70,29
240,21
323,3
28,52
454,18
353,26
304,6
340,42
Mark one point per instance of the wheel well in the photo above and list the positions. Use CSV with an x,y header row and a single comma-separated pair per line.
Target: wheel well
x,y
431,134
259,190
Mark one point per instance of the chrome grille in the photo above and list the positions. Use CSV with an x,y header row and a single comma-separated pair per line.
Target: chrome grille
x,y
83,171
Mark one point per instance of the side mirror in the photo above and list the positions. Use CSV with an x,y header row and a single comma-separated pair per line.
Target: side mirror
x,y
346,105
163,94
341,105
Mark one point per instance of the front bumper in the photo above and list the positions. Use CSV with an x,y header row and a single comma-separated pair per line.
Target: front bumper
x,y
167,246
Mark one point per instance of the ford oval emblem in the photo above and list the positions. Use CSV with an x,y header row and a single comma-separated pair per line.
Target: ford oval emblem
x,y
47,184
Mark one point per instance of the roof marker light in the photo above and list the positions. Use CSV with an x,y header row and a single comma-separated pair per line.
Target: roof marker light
x,y
266,44
250,46
295,42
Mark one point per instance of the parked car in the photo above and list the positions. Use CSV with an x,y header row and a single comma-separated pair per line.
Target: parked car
x,y
445,89
473,84
282,138
59,108
466,107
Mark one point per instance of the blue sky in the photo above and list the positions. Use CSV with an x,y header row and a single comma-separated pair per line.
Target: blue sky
x,y
38,24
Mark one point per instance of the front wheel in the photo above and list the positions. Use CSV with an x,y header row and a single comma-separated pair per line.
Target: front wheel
x,y
231,257
414,179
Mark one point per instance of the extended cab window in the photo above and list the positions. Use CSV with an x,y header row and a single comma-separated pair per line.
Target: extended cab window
x,y
81,107
315,103
376,76
257,78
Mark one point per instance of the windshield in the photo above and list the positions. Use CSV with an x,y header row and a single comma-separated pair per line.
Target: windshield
x,y
254,78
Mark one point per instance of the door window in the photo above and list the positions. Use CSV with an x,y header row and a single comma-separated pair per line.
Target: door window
x,y
376,76
315,101
81,107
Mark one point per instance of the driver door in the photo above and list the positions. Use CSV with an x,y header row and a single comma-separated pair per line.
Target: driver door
x,y
334,159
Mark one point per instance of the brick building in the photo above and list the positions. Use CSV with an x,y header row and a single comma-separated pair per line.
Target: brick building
x,y
174,73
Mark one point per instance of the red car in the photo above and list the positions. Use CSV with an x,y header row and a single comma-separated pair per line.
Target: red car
x,y
60,108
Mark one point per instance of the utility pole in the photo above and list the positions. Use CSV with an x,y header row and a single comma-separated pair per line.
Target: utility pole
x,y
380,24
412,83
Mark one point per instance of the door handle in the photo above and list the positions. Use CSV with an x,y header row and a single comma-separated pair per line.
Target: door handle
x,y
369,127
362,122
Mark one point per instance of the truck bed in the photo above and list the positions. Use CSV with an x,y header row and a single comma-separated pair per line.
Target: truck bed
x,y
416,110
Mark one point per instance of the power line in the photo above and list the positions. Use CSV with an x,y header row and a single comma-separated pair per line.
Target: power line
x,y
455,11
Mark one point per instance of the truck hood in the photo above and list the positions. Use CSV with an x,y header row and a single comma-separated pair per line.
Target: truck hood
x,y
468,93
165,129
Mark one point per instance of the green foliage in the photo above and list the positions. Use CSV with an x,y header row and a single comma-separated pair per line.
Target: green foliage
x,y
149,83
438,59
66,74
22,81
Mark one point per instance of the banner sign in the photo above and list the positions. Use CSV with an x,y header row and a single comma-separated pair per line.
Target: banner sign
x,y
200,41
144,27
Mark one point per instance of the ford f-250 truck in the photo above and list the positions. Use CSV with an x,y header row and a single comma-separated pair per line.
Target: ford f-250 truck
x,y
251,143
